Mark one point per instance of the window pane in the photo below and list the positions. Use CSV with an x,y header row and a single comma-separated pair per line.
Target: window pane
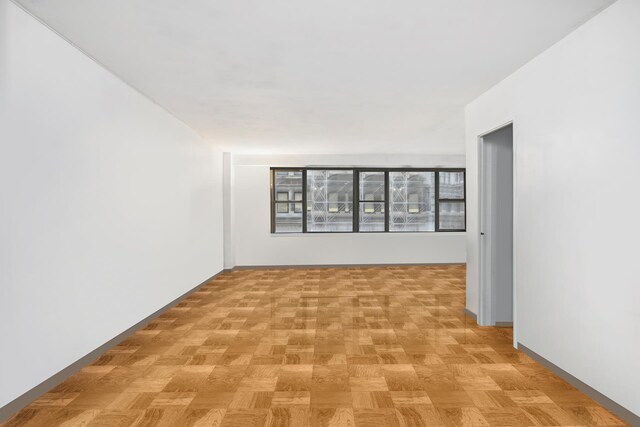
x,y
412,201
451,185
372,186
371,216
451,216
288,183
282,207
329,200
288,187
288,217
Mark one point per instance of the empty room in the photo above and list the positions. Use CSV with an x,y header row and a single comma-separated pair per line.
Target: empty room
x,y
340,213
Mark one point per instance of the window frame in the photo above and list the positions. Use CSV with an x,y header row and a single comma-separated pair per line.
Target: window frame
x,y
435,195
355,225
274,195
357,199
439,200
305,209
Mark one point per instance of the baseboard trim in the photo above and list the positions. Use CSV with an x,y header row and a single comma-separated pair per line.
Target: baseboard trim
x,y
504,325
471,314
312,266
26,398
603,400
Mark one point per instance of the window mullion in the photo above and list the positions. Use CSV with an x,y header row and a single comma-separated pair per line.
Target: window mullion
x,y
273,197
387,214
464,196
304,201
356,201
437,224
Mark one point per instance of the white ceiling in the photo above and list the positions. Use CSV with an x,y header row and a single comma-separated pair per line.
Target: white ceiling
x,y
330,76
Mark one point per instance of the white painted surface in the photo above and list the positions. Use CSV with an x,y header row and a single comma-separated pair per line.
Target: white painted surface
x,y
227,202
496,242
109,207
331,76
575,110
255,245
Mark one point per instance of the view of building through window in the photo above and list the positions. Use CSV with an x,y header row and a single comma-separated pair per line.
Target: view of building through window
x,y
288,201
412,201
372,201
451,201
360,200
329,200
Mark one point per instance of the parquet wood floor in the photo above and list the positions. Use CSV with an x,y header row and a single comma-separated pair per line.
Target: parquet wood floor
x,y
361,347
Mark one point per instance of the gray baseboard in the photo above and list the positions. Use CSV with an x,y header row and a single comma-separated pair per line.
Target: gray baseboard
x,y
603,400
497,324
504,325
280,267
471,314
26,398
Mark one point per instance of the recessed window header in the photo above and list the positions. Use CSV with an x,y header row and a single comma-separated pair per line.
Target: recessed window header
x,y
367,200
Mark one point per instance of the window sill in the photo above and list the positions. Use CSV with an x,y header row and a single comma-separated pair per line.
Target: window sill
x,y
376,233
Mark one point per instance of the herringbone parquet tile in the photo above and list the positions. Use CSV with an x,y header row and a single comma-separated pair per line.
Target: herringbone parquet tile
x,y
318,347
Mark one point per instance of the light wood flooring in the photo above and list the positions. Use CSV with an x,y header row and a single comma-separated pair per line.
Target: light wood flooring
x,y
359,347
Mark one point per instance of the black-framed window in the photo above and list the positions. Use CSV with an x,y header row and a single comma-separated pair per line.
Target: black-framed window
x,y
339,200
287,201
413,205
329,200
372,196
451,201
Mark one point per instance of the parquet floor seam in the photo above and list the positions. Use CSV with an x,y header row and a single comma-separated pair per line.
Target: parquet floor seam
x,y
359,347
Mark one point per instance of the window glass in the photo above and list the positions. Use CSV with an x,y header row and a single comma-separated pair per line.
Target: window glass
x,y
412,201
451,185
329,200
372,216
372,186
371,189
451,216
288,215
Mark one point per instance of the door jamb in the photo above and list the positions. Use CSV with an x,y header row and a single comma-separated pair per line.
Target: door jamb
x,y
484,318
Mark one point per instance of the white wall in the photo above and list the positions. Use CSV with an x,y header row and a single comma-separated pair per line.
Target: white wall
x,y
109,207
255,245
575,110
227,201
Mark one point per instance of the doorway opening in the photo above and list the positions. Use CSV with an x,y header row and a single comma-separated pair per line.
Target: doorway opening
x,y
497,290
